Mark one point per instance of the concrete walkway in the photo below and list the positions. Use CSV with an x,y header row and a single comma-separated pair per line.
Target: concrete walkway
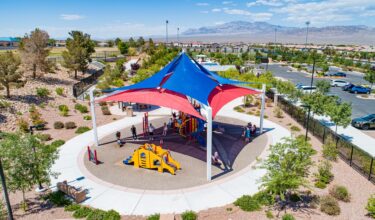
x,y
107,196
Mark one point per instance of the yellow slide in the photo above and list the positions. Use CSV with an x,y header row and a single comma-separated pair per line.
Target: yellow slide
x,y
151,156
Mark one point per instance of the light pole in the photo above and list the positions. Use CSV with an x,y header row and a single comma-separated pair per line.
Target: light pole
x,y
178,36
309,107
5,192
166,32
307,32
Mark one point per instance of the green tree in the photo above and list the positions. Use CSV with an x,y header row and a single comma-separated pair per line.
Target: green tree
x,y
287,167
370,76
323,86
23,168
117,41
34,51
80,47
110,43
123,47
9,70
132,42
140,42
340,114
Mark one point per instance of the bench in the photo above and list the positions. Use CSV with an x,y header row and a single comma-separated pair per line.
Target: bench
x,y
78,195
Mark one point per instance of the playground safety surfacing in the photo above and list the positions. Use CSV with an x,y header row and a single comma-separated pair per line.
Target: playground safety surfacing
x,y
233,150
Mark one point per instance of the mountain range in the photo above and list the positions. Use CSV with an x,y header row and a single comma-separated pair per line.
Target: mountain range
x,y
264,32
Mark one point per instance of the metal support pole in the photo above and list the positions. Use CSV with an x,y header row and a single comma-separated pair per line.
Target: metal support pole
x,y
93,117
370,173
262,109
324,134
351,156
307,123
5,192
209,143
166,32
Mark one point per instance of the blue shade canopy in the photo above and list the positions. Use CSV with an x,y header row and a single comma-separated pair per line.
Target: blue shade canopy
x,y
184,76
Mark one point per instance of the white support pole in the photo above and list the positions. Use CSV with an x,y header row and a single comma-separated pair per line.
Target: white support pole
x,y
209,142
262,109
93,116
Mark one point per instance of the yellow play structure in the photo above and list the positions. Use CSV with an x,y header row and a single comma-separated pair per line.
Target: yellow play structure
x,y
151,156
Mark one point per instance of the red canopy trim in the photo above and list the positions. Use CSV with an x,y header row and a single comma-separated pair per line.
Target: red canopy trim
x,y
221,95
165,98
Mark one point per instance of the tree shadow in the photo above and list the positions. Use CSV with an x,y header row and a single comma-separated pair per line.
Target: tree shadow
x,y
49,80
31,99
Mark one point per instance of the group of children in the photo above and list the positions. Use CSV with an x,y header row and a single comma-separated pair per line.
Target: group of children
x,y
249,131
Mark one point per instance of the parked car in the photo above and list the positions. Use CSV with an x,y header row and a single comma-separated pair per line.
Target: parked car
x,y
339,83
348,87
337,74
360,89
365,122
308,89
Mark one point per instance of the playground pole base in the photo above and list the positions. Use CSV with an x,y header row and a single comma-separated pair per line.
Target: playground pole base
x,y
39,190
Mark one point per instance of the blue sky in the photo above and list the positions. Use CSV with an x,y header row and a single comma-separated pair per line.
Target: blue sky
x,y
112,18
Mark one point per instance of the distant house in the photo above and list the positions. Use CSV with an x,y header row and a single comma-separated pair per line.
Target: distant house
x,y
9,42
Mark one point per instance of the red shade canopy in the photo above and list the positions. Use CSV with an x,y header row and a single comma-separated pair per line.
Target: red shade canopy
x,y
165,98
226,93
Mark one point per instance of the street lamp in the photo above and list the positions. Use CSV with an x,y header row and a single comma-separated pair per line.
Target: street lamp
x,y
166,32
5,192
178,36
308,106
307,32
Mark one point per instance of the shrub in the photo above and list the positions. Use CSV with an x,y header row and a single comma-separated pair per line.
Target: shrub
x,y
239,109
81,108
82,212
324,175
70,125
329,205
370,207
263,197
4,104
58,125
112,215
117,82
57,198
59,91
330,152
295,128
278,112
248,203
269,214
36,118
105,110
57,143
32,108
87,117
340,193
44,137
288,217
83,129
23,125
96,214
189,215
64,110
102,103
72,207
42,92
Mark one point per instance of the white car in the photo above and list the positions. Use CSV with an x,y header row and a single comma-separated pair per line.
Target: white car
x,y
339,83
308,89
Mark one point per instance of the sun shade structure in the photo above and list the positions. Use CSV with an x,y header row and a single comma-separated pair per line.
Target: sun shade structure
x,y
157,97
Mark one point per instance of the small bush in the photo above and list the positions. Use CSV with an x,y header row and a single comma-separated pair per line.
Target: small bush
x,y
370,207
239,109
269,214
112,215
70,125
248,203
87,117
189,215
57,198
83,129
324,175
278,112
330,152
23,125
263,197
81,108
58,125
105,110
295,128
59,91
64,110
288,217
82,212
4,104
32,108
42,92
96,214
340,193
329,205
154,217
72,207
44,137
117,82
57,143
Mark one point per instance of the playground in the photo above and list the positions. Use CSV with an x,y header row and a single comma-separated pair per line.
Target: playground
x,y
234,152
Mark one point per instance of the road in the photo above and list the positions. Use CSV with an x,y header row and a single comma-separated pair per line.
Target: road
x,y
360,107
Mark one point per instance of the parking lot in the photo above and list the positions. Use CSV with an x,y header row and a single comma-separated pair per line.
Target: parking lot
x,y
360,107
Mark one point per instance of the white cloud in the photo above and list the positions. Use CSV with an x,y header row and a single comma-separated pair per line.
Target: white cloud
x,y
216,10
271,3
202,4
204,12
71,17
219,22
262,16
324,12
227,2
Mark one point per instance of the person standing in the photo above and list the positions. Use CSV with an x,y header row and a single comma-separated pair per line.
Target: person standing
x,y
165,129
247,134
134,132
151,132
